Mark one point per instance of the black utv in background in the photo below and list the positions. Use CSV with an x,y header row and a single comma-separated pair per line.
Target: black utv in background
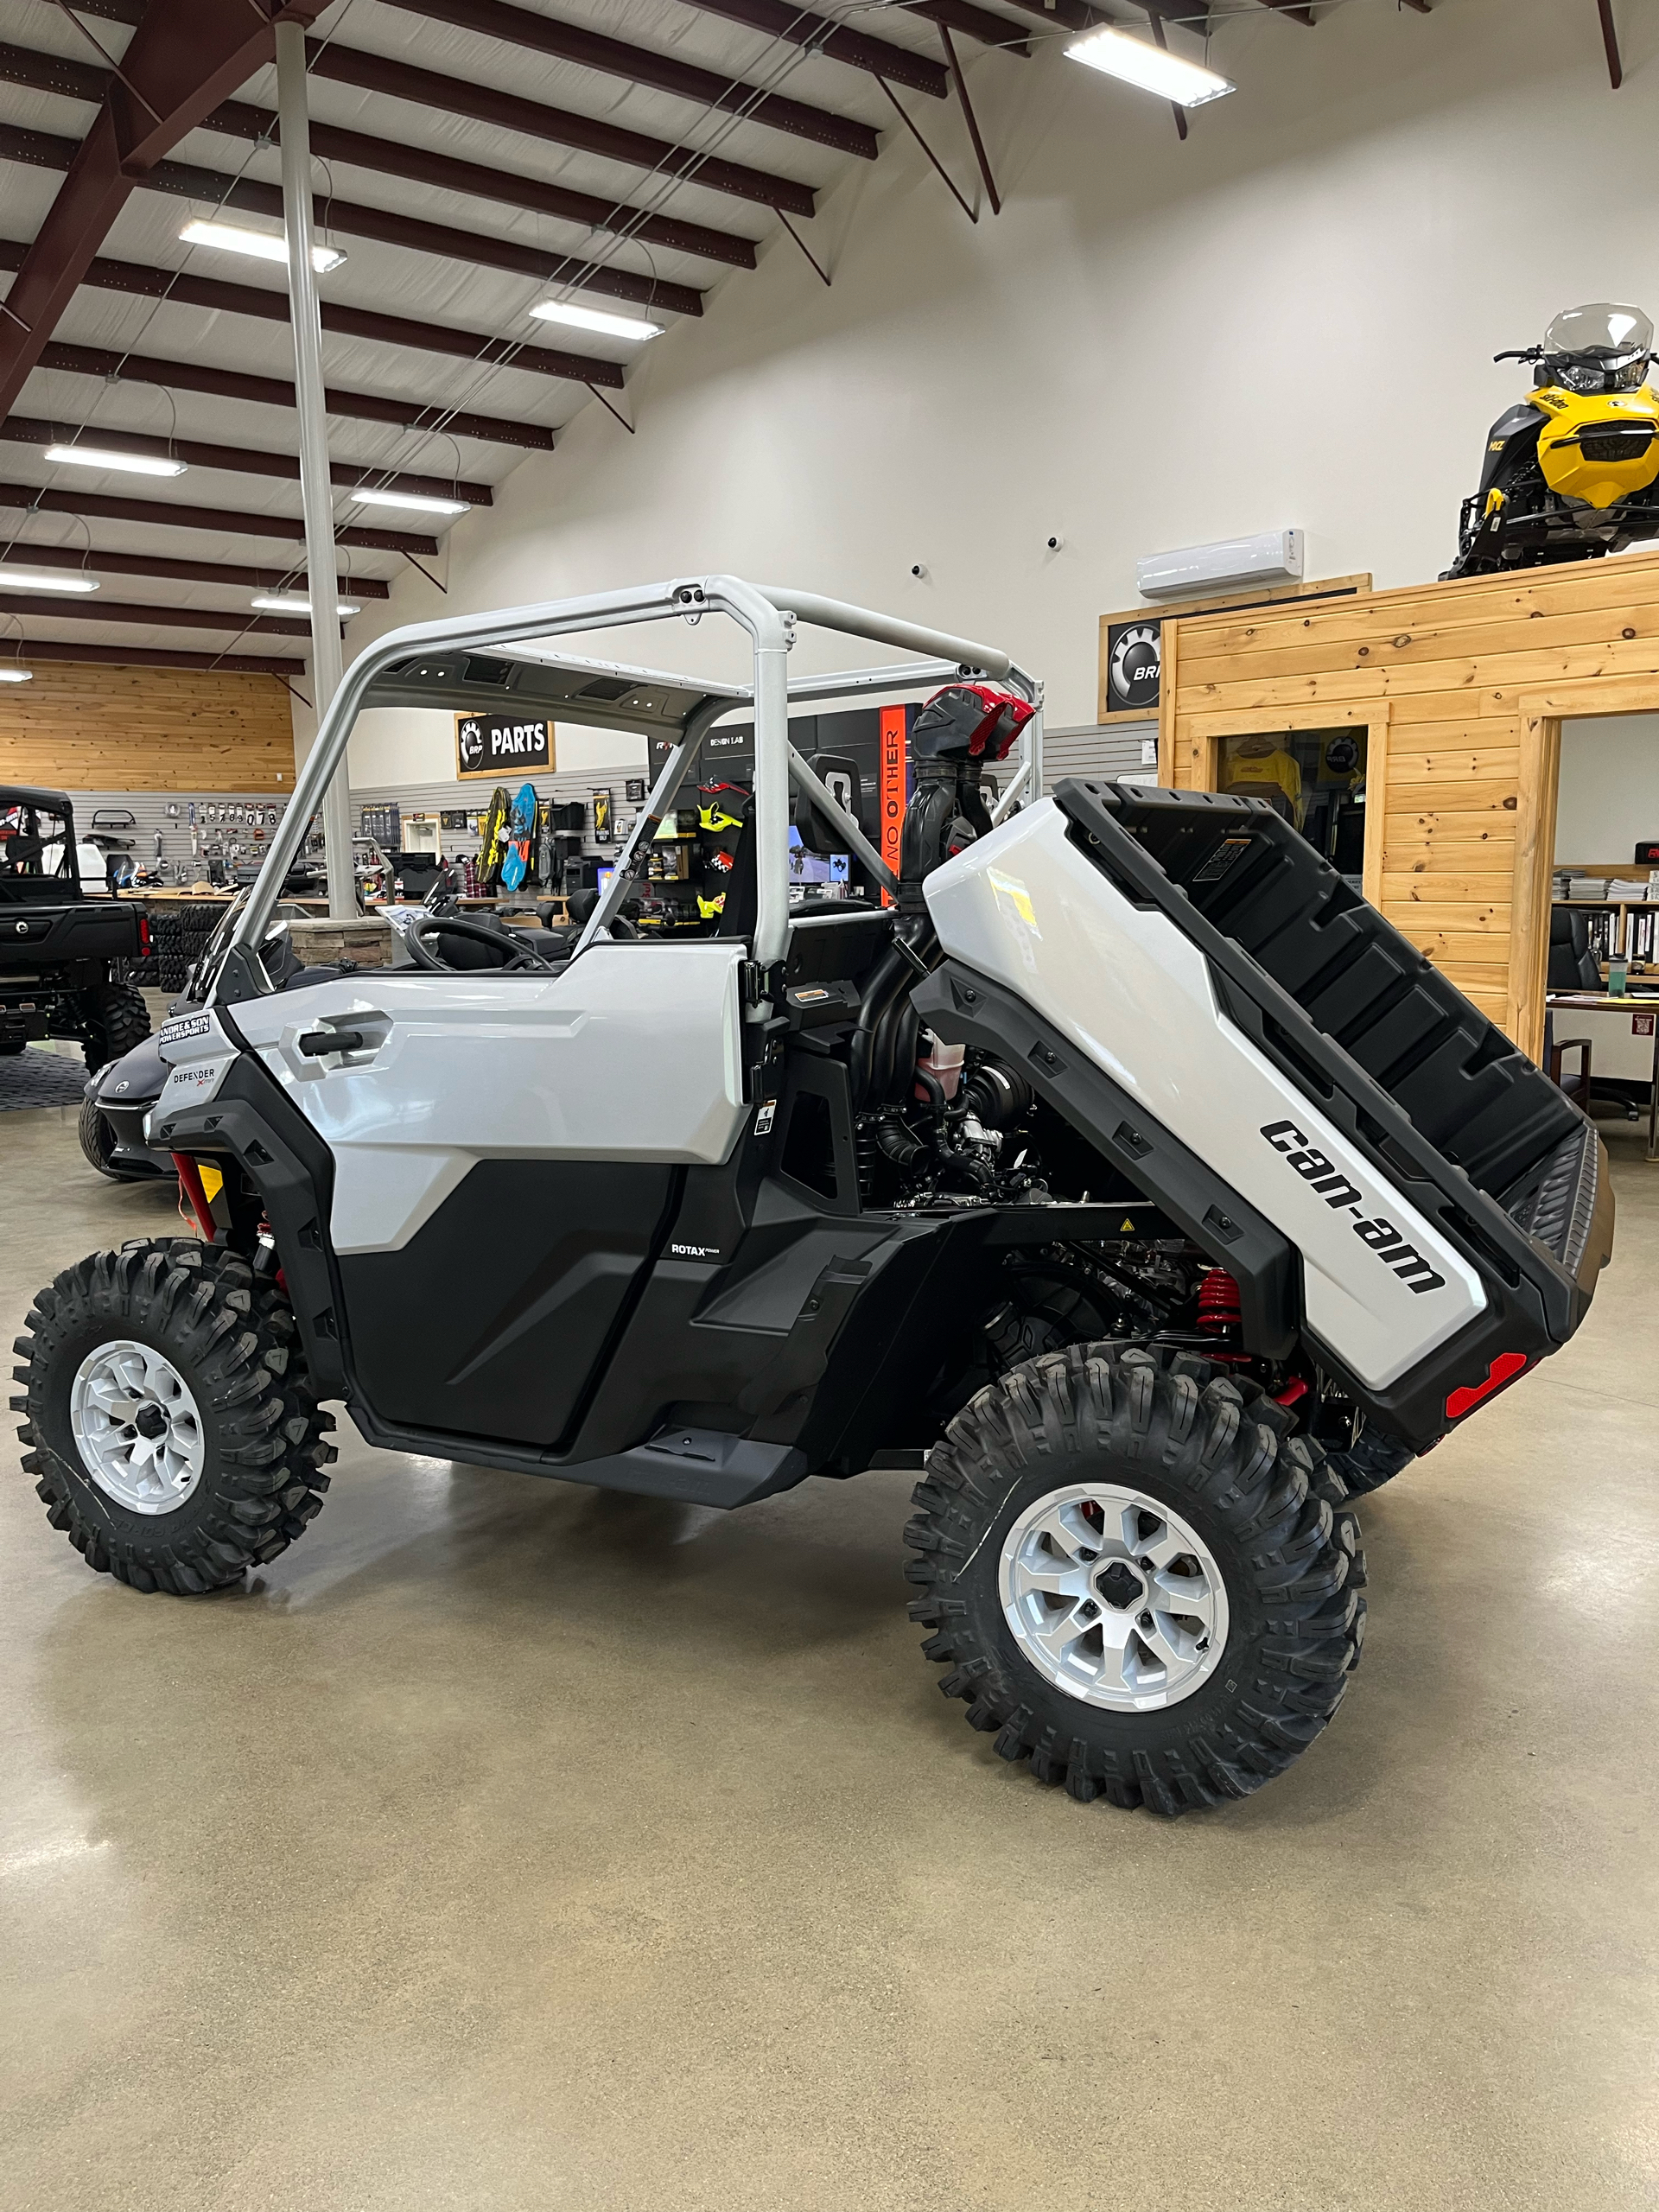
x,y
59,948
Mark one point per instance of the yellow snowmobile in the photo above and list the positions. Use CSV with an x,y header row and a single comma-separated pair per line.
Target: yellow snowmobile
x,y
1573,472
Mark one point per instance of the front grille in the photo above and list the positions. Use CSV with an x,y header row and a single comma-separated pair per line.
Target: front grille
x,y
1615,445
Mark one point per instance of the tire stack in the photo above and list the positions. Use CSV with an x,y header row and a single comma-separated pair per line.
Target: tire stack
x,y
178,934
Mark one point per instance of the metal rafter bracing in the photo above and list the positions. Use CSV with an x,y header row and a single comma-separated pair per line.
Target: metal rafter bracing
x,y
155,656
93,562
370,73
184,58
30,498
238,461
798,26
613,57
51,73
350,322
184,181
1609,43
268,391
158,617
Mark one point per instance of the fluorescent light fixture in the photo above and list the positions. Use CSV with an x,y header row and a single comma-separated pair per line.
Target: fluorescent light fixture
x,y
1187,83
138,464
16,675
609,326
292,604
419,500
263,245
28,580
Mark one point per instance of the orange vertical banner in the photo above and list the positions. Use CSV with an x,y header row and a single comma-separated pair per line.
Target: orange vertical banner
x,y
893,787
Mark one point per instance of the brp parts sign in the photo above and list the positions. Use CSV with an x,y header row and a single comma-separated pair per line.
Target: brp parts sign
x,y
501,746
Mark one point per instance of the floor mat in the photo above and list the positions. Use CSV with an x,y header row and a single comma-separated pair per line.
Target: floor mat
x,y
34,1079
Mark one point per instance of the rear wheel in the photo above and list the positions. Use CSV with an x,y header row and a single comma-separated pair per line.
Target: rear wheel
x,y
168,1418
114,1019
1369,1461
1138,1578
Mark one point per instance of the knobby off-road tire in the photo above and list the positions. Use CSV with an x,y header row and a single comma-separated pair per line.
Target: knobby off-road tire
x,y
226,1345
98,1142
115,1018
1369,1461
1217,1455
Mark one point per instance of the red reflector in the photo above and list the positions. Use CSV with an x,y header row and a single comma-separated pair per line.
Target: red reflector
x,y
1465,1401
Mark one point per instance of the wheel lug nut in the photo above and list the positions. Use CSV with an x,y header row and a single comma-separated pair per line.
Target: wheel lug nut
x,y
1146,1620
1087,1609
1088,1555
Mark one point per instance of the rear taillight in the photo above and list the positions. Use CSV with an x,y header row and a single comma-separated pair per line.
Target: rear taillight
x,y
144,935
1502,1370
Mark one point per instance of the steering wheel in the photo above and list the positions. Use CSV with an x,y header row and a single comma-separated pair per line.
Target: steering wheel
x,y
527,958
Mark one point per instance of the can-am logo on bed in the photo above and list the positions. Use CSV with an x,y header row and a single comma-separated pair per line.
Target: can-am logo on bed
x,y
494,744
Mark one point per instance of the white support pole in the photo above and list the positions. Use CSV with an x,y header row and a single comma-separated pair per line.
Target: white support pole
x,y
316,493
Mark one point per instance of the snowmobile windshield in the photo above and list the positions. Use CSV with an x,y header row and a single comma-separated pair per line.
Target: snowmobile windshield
x,y
1601,347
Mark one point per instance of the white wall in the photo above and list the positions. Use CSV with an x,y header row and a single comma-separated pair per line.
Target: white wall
x,y
1287,320
1609,792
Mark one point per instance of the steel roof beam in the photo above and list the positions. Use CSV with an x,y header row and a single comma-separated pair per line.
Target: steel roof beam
x,y
374,73
51,73
151,657
268,391
163,618
41,149
184,58
612,57
93,563
239,460
877,57
349,322
32,499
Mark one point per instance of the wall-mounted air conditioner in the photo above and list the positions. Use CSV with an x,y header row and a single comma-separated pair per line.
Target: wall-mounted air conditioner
x,y
1272,557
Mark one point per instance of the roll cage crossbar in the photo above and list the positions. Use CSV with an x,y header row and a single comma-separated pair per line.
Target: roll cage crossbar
x,y
769,614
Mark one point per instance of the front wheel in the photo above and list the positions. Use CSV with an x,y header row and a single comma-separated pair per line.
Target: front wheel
x,y
168,1418
1138,1578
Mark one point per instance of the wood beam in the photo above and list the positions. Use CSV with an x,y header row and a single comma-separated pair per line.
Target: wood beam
x,y
93,563
51,73
163,618
239,460
150,657
184,58
167,514
635,65
113,367
213,293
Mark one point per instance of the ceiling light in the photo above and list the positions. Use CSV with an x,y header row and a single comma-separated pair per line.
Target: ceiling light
x,y
416,499
1187,83
609,326
265,246
26,579
290,604
139,464
16,675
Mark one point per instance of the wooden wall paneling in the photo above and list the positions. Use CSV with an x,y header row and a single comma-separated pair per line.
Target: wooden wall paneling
x,y
94,728
1162,613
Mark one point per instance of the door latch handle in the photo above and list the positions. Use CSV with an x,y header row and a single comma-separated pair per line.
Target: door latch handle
x,y
316,1042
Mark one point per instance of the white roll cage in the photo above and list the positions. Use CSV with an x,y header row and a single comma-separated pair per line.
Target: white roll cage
x,y
769,613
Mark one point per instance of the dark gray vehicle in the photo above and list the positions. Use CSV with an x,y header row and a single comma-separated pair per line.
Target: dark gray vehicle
x,y
59,949
1112,1163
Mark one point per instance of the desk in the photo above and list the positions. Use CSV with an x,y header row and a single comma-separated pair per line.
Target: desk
x,y
1639,1025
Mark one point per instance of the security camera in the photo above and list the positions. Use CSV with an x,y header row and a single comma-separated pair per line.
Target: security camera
x,y
919,567
1054,542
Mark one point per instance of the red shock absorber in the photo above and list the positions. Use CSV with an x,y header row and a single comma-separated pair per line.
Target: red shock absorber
x,y
1218,1305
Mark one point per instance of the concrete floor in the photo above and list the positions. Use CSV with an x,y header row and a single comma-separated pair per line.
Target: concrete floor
x,y
507,1845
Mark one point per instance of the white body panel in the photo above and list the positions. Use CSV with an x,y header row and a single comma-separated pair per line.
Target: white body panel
x,y
1026,908
631,1054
